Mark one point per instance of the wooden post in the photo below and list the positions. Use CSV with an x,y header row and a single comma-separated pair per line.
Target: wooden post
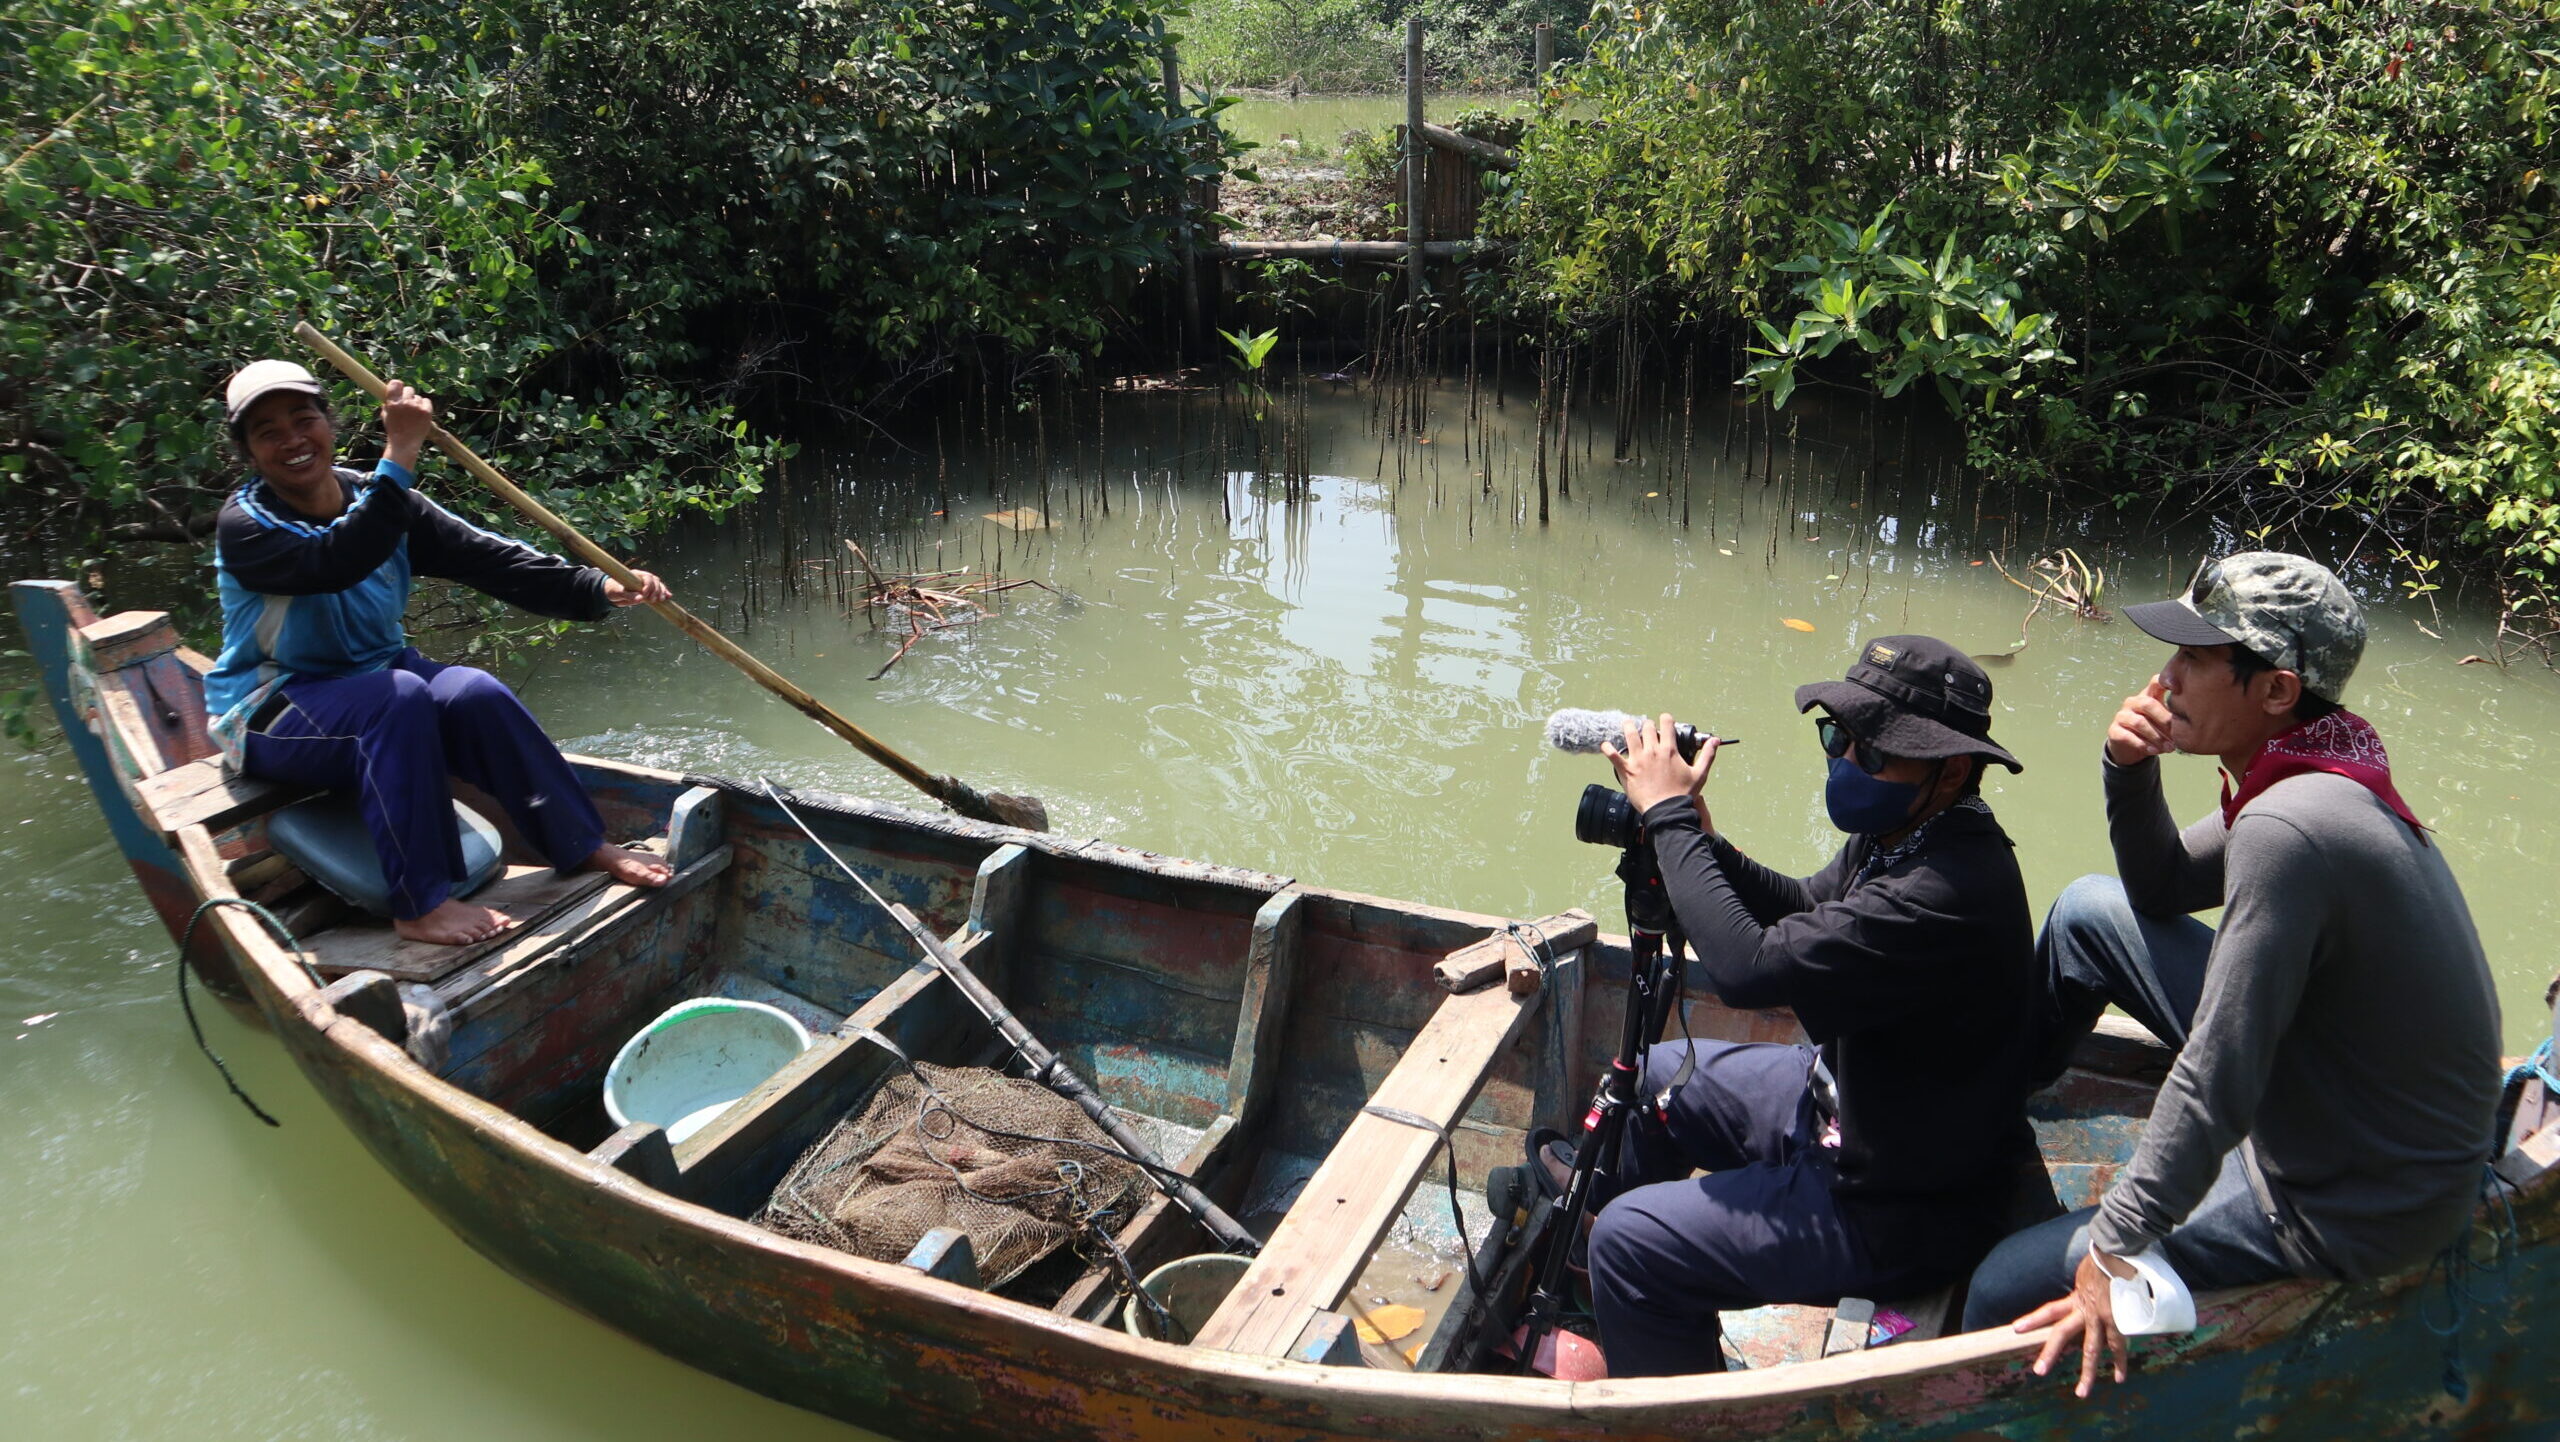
x,y
1546,54
1413,228
1186,266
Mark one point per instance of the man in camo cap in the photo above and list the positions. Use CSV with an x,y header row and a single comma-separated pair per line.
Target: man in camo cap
x,y
2337,1068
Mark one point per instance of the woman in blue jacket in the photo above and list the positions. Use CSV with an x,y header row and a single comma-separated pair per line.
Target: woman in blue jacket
x,y
317,682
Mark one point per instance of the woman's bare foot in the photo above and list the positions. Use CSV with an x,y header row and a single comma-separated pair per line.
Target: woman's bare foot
x,y
455,923
631,868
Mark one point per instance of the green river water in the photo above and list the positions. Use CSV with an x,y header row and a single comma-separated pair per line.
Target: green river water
x,y
1349,691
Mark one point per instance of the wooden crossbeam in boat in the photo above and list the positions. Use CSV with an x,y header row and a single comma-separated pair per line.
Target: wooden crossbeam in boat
x,y
577,927
203,793
640,1150
536,896
1321,1245
1502,954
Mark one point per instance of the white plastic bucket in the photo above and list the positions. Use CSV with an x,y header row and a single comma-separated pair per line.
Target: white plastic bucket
x,y
1190,1290
685,1068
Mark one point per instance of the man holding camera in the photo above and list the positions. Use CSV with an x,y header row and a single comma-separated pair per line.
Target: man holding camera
x,y
2337,1069
1882,1160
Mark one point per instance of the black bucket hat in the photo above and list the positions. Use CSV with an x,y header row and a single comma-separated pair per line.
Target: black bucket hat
x,y
1914,697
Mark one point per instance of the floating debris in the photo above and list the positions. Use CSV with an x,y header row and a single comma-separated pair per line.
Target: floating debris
x,y
2062,579
1391,1323
929,601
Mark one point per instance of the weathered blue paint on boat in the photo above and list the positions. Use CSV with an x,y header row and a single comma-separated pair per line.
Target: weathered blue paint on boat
x,y
50,612
1121,947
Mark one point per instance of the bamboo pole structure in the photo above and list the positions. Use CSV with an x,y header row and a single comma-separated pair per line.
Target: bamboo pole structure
x,y
1413,227
1186,264
1483,152
1022,811
1387,252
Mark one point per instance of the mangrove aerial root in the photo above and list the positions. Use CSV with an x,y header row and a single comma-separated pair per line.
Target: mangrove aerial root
x,y
2062,579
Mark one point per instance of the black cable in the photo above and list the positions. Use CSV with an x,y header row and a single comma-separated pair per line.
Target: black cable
x,y
186,1003
1457,1214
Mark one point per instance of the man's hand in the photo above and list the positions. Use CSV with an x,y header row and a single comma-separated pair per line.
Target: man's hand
x,y
406,418
2087,1316
2141,728
652,590
1650,768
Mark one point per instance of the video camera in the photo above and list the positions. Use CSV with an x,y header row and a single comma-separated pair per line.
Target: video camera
x,y
1605,818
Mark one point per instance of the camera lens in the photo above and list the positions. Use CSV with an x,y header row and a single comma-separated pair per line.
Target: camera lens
x,y
1605,817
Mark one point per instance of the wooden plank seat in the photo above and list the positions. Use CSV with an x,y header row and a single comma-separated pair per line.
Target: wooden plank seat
x,y
204,793
1356,1194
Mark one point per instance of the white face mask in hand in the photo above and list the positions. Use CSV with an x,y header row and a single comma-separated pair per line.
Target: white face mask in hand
x,y
2153,1301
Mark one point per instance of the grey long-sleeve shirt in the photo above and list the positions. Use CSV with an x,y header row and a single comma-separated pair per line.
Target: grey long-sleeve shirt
x,y
2348,1027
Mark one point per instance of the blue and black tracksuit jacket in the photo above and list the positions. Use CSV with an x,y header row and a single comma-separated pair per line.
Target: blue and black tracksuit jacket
x,y
310,598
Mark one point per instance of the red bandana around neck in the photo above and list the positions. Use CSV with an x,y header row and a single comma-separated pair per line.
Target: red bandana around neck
x,y
2340,743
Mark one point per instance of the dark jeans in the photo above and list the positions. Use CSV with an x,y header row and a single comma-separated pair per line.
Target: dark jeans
x,y
2226,1241
1670,1251
2097,949
393,736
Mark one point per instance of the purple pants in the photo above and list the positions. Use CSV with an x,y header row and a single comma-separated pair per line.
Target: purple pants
x,y
393,736
1669,1251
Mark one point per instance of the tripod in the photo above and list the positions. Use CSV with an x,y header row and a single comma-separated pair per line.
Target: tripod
x,y
1653,990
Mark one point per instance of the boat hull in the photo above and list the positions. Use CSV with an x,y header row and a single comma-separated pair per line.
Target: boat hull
x,y
892,1350
917,1359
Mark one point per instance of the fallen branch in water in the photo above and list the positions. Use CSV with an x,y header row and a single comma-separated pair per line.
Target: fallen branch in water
x,y
929,601
2063,579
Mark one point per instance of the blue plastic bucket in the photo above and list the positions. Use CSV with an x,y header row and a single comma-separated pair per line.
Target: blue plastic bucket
x,y
685,1068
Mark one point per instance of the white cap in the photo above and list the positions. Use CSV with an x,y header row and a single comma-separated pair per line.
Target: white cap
x,y
259,378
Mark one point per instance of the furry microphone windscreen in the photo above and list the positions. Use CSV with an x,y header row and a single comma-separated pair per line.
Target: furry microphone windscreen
x,y
1588,733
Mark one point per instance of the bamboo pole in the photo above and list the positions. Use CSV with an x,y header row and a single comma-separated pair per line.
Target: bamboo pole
x,y
1414,231
1390,252
1483,152
1187,265
1023,811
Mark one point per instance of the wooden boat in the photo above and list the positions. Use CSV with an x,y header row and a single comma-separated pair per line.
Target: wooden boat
x,y
1254,1014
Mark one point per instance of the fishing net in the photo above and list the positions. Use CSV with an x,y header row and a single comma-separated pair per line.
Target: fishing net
x,y
1014,1165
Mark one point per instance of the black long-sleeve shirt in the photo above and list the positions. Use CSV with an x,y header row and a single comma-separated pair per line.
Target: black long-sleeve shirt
x,y
1918,984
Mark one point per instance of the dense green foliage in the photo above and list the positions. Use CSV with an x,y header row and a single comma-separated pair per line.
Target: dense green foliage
x,y
188,179
592,230
1332,46
2300,252
918,174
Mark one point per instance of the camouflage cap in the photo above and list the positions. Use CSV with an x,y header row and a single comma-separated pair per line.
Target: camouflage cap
x,y
2292,611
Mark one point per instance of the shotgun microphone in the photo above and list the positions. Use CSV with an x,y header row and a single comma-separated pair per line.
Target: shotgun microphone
x,y
1595,733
